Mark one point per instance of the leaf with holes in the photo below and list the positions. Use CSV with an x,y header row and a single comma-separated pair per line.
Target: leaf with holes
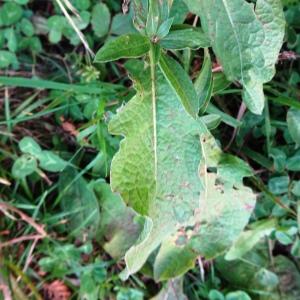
x,y
158,176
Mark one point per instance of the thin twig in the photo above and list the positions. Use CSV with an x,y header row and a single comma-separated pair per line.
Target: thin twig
x,y
30,256
70,6
5,207
22,239
241,113
195,21
5,291
201,267
24,217
72,23
260,185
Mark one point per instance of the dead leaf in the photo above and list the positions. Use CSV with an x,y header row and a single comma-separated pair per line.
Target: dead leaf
x,y
56,290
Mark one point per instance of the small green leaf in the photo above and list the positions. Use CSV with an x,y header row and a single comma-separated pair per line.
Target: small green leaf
x,y
164,28
130,294
227,119
295,250
12,43
279,185
185,36
62,260
180,83
296,188
153,18
82,4
10,13
211,121
293,163
279,158
238,295
24,166
30,146
122,24
51,162
283,238
100,19
7,58
293,121
55,36
215,295
204,83
32,43
125,46
56,24
220,83
27,27
21,2
79,202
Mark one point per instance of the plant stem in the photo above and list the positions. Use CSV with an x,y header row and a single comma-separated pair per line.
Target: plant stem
x,y
153,97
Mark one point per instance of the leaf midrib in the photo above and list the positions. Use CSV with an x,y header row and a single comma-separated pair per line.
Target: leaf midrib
x,y
236,37
153,99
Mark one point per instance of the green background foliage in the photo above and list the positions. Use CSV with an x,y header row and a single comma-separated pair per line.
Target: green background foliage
x,y
170,159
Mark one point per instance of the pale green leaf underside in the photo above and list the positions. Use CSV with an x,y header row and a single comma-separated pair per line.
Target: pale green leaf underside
x,y
157,172
246,42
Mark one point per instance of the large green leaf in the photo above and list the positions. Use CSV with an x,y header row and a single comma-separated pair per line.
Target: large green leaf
x,y
144,169
246,42
156,171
